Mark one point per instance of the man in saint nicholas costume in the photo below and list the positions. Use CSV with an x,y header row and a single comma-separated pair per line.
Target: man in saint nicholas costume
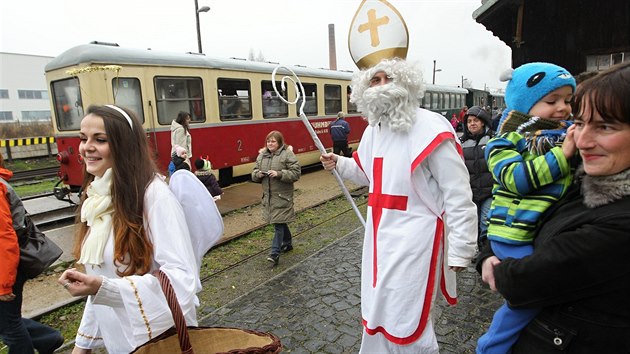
x,y
421,222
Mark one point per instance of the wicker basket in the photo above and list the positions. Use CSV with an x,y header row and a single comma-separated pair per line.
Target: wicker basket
x,y
205,340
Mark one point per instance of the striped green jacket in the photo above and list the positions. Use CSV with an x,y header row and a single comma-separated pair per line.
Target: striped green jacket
x,y
526,185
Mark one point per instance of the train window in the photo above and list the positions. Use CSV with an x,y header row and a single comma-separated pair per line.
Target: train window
x,y
352,108
177,94
332,99
435,100
68,104
272,105
447,101
234,99
310,106
426,100
127,93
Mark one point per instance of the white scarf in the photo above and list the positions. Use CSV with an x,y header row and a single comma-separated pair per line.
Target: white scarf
x,y
97,211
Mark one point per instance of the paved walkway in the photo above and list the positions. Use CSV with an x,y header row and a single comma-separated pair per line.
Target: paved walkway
x,y
314,307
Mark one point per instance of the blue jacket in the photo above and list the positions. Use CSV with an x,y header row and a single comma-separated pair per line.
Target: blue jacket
x,y
339,130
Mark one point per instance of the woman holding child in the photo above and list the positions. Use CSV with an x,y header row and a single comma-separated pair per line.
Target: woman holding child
x,y
576,273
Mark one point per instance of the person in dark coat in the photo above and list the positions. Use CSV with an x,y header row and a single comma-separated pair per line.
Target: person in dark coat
x,y
205,175
339,130
577,273
277,169
477,132
179,158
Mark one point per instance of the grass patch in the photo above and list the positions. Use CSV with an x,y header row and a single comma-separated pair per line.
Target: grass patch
x,y
30,189
30,164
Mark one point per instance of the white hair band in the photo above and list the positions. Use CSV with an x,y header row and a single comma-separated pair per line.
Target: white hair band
x,y
121,112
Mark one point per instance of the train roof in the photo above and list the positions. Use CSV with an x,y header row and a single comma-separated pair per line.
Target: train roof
x,y
94,53
98,53
442,88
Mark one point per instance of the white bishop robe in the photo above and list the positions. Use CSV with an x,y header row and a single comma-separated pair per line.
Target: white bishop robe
x,y
420,211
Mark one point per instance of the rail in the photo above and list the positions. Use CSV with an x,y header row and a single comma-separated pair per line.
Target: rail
x,y
26,175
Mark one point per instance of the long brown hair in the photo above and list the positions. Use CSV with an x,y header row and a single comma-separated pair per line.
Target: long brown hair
x,y
132,171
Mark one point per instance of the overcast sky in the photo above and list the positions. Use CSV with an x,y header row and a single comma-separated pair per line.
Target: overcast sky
x,y
284,31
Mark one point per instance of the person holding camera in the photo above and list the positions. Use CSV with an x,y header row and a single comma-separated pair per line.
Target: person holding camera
x,y
277,169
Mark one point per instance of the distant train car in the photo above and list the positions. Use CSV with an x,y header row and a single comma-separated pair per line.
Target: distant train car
x,y
484,99
231,101
497,100
445,100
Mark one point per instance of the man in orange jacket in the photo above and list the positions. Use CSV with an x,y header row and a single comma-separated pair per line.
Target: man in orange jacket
x,y
21,335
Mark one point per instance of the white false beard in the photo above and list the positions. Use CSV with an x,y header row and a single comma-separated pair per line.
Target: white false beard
x,y
389,104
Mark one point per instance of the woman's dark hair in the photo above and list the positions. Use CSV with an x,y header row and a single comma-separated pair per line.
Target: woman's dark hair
x,y
607,93
181,119
132,170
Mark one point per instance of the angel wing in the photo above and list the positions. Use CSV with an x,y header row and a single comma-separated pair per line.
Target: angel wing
x,y
202,215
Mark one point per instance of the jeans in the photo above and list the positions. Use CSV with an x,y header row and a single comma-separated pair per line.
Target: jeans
x,y
281,237
505,329
482,211
22,335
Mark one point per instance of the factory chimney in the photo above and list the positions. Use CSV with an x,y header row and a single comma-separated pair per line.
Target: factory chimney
x,y
332,52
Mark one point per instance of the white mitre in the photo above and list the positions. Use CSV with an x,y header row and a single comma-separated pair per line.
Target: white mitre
x,y
378,31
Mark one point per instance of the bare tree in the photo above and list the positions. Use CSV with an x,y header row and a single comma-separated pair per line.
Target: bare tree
x,y
253,57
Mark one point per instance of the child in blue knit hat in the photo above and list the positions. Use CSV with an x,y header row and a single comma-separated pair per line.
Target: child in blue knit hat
x,y
531,168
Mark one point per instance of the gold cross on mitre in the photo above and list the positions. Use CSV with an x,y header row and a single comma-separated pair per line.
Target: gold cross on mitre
x,y
377,31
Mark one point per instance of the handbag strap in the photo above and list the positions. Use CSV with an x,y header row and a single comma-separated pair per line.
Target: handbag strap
x,y
176,310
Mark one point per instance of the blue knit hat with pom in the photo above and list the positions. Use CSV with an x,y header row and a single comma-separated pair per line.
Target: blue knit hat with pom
x,y
529,83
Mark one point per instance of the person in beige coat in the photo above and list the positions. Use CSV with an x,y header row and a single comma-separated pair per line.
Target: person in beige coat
x,y
180,135
277,169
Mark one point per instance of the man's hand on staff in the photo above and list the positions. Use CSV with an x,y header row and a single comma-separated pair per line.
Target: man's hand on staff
x,y
329,161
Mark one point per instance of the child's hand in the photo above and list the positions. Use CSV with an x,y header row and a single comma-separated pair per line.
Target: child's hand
x,y
487,271
568,145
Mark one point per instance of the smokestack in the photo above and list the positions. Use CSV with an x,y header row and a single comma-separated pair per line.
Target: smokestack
x,y
332,52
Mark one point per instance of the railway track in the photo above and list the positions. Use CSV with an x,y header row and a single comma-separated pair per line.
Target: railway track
x,y
40,173
59,216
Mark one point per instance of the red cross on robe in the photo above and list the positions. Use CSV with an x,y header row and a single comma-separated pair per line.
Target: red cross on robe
x,y
379,201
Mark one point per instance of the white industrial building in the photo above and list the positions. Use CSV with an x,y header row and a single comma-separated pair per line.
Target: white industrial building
x,y
23,91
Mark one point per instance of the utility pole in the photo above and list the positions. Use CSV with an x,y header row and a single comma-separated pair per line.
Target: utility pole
x,y
197,11
434,71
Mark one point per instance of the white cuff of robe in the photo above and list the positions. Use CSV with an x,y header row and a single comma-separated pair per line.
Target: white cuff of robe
x,y
108,294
